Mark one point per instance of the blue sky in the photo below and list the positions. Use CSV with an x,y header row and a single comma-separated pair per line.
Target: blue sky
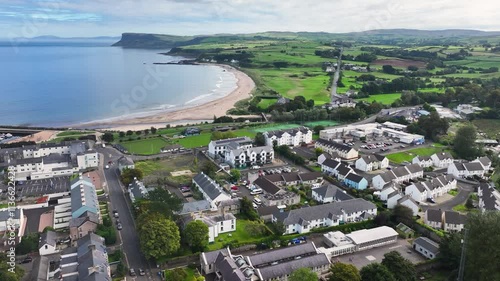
x,y
85,18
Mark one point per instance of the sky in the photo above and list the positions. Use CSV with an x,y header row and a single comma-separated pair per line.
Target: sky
x,y
88,18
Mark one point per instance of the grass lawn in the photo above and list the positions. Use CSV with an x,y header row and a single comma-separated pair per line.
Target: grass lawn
x,y
4,205
491,127
460,208
274,127
145,146
265,103
325,123
400,157
453,192
204,138
241,235
382,98
148,167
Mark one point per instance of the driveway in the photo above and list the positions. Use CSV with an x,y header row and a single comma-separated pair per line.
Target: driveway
x,y
128,238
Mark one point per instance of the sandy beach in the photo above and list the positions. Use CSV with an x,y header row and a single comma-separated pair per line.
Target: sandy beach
x,y
219,107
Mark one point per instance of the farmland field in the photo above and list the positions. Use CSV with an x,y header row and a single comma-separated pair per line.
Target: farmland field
x,y
382,98
399,62
145,146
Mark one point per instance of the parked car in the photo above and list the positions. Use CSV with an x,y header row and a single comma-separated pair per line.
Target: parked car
x,y
185,189
431,200
119,226
27,259
115,213
141,272
234,187
132,272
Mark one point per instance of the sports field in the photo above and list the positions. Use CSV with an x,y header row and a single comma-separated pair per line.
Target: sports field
x,y
145,146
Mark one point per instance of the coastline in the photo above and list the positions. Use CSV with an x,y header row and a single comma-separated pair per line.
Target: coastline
x,y
198,113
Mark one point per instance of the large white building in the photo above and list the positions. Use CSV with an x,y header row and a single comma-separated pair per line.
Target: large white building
x,y
219,148
291,137
239,152
388,129
305,219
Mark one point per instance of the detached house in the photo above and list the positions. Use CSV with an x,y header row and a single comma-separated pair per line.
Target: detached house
x,y
442,159
372,162
344,151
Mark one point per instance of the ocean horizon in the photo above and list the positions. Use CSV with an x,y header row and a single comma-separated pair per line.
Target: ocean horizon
x,y
67,85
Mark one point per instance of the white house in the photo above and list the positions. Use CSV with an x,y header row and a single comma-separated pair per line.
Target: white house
x,y
344,151
125,163
418,191
47,243
463,170
434,218
372,162
328,193
325,156
212,191
485,162
291,137
433,188
219,224
410,203
246,157
329,167
304,219
426,247
489,197
422,161
87,160
381,180
137,190
388,189
392,199
453,221
218,148
442,159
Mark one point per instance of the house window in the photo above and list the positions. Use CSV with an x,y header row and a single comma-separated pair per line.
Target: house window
x,y
46,247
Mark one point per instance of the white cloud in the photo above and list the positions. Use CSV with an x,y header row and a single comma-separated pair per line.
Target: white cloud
x,y
242,16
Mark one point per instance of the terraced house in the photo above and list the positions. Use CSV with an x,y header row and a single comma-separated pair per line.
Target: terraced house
x,y
372,162
331,147
305,219
291,137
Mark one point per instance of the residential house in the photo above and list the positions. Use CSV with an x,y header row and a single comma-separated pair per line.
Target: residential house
x,y
328,193
125,163
485,162
418,191
382,180
217,224
266,212
410,203
426,247
372,162
137,190
442,159
275,196
398,175
47,244
172,148
331,214
434,218
344,151
325,156
489,197
247,157
423,161
12,220
291,178
393,198
329,166
212,191
453,221
314,179
355,181
343,171
218,148
464,170
83,197
290,137
341,101
388,189
82,225
433,188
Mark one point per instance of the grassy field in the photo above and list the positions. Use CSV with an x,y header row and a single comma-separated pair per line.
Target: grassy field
x,y
265,103
145,146
275,127
325,123
74,133
241,235
491,127
401,157
382,98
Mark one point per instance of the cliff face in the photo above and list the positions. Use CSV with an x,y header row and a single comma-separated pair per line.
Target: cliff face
x,y
153,41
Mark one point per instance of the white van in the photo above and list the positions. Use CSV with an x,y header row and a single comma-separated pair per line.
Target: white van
x,y
256,191
257,201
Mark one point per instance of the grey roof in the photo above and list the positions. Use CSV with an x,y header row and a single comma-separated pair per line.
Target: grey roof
x,y
28,161
427,244
335,145
407,198
487,197
274,178
33,218
400,172
56,158
485,161
284,269
235,140
473,166
138,189
344,170
228,268
327,210
310,176
420,186
267,210
265,259
257,149
372,158
5,214
290,177
266,185
354,177
434,215
292,132
195,206
453,217
83,198
330,163
423,158
208,185
48,237
210,257
230,202
459,166
414,168
125,161
86,216
443,155
388,176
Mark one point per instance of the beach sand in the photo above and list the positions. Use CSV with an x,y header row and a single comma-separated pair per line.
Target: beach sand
x,y
38,137
196,114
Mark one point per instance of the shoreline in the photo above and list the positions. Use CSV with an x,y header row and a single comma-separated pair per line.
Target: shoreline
x,y
198,113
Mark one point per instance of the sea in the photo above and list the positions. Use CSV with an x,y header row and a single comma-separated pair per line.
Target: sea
x,y
67,84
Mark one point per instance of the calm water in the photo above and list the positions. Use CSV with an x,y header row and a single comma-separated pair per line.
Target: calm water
x,y
65,85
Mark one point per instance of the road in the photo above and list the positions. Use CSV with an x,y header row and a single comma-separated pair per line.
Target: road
x,y
464,191
336,75
128,236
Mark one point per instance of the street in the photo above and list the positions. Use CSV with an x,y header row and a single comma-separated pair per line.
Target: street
x,y
127,236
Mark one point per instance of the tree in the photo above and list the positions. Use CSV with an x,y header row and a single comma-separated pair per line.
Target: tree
x,y
260,140
376,272
318,128
128,176
235,175
5,274
388,69
318,151
153,130
469,204
344,272
464,143
160,201
401,268
450,248
146,132
247,210
196,235
121,134
303,274
402,214
255,228
159,237
209,169
310,103
130,132
108,137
